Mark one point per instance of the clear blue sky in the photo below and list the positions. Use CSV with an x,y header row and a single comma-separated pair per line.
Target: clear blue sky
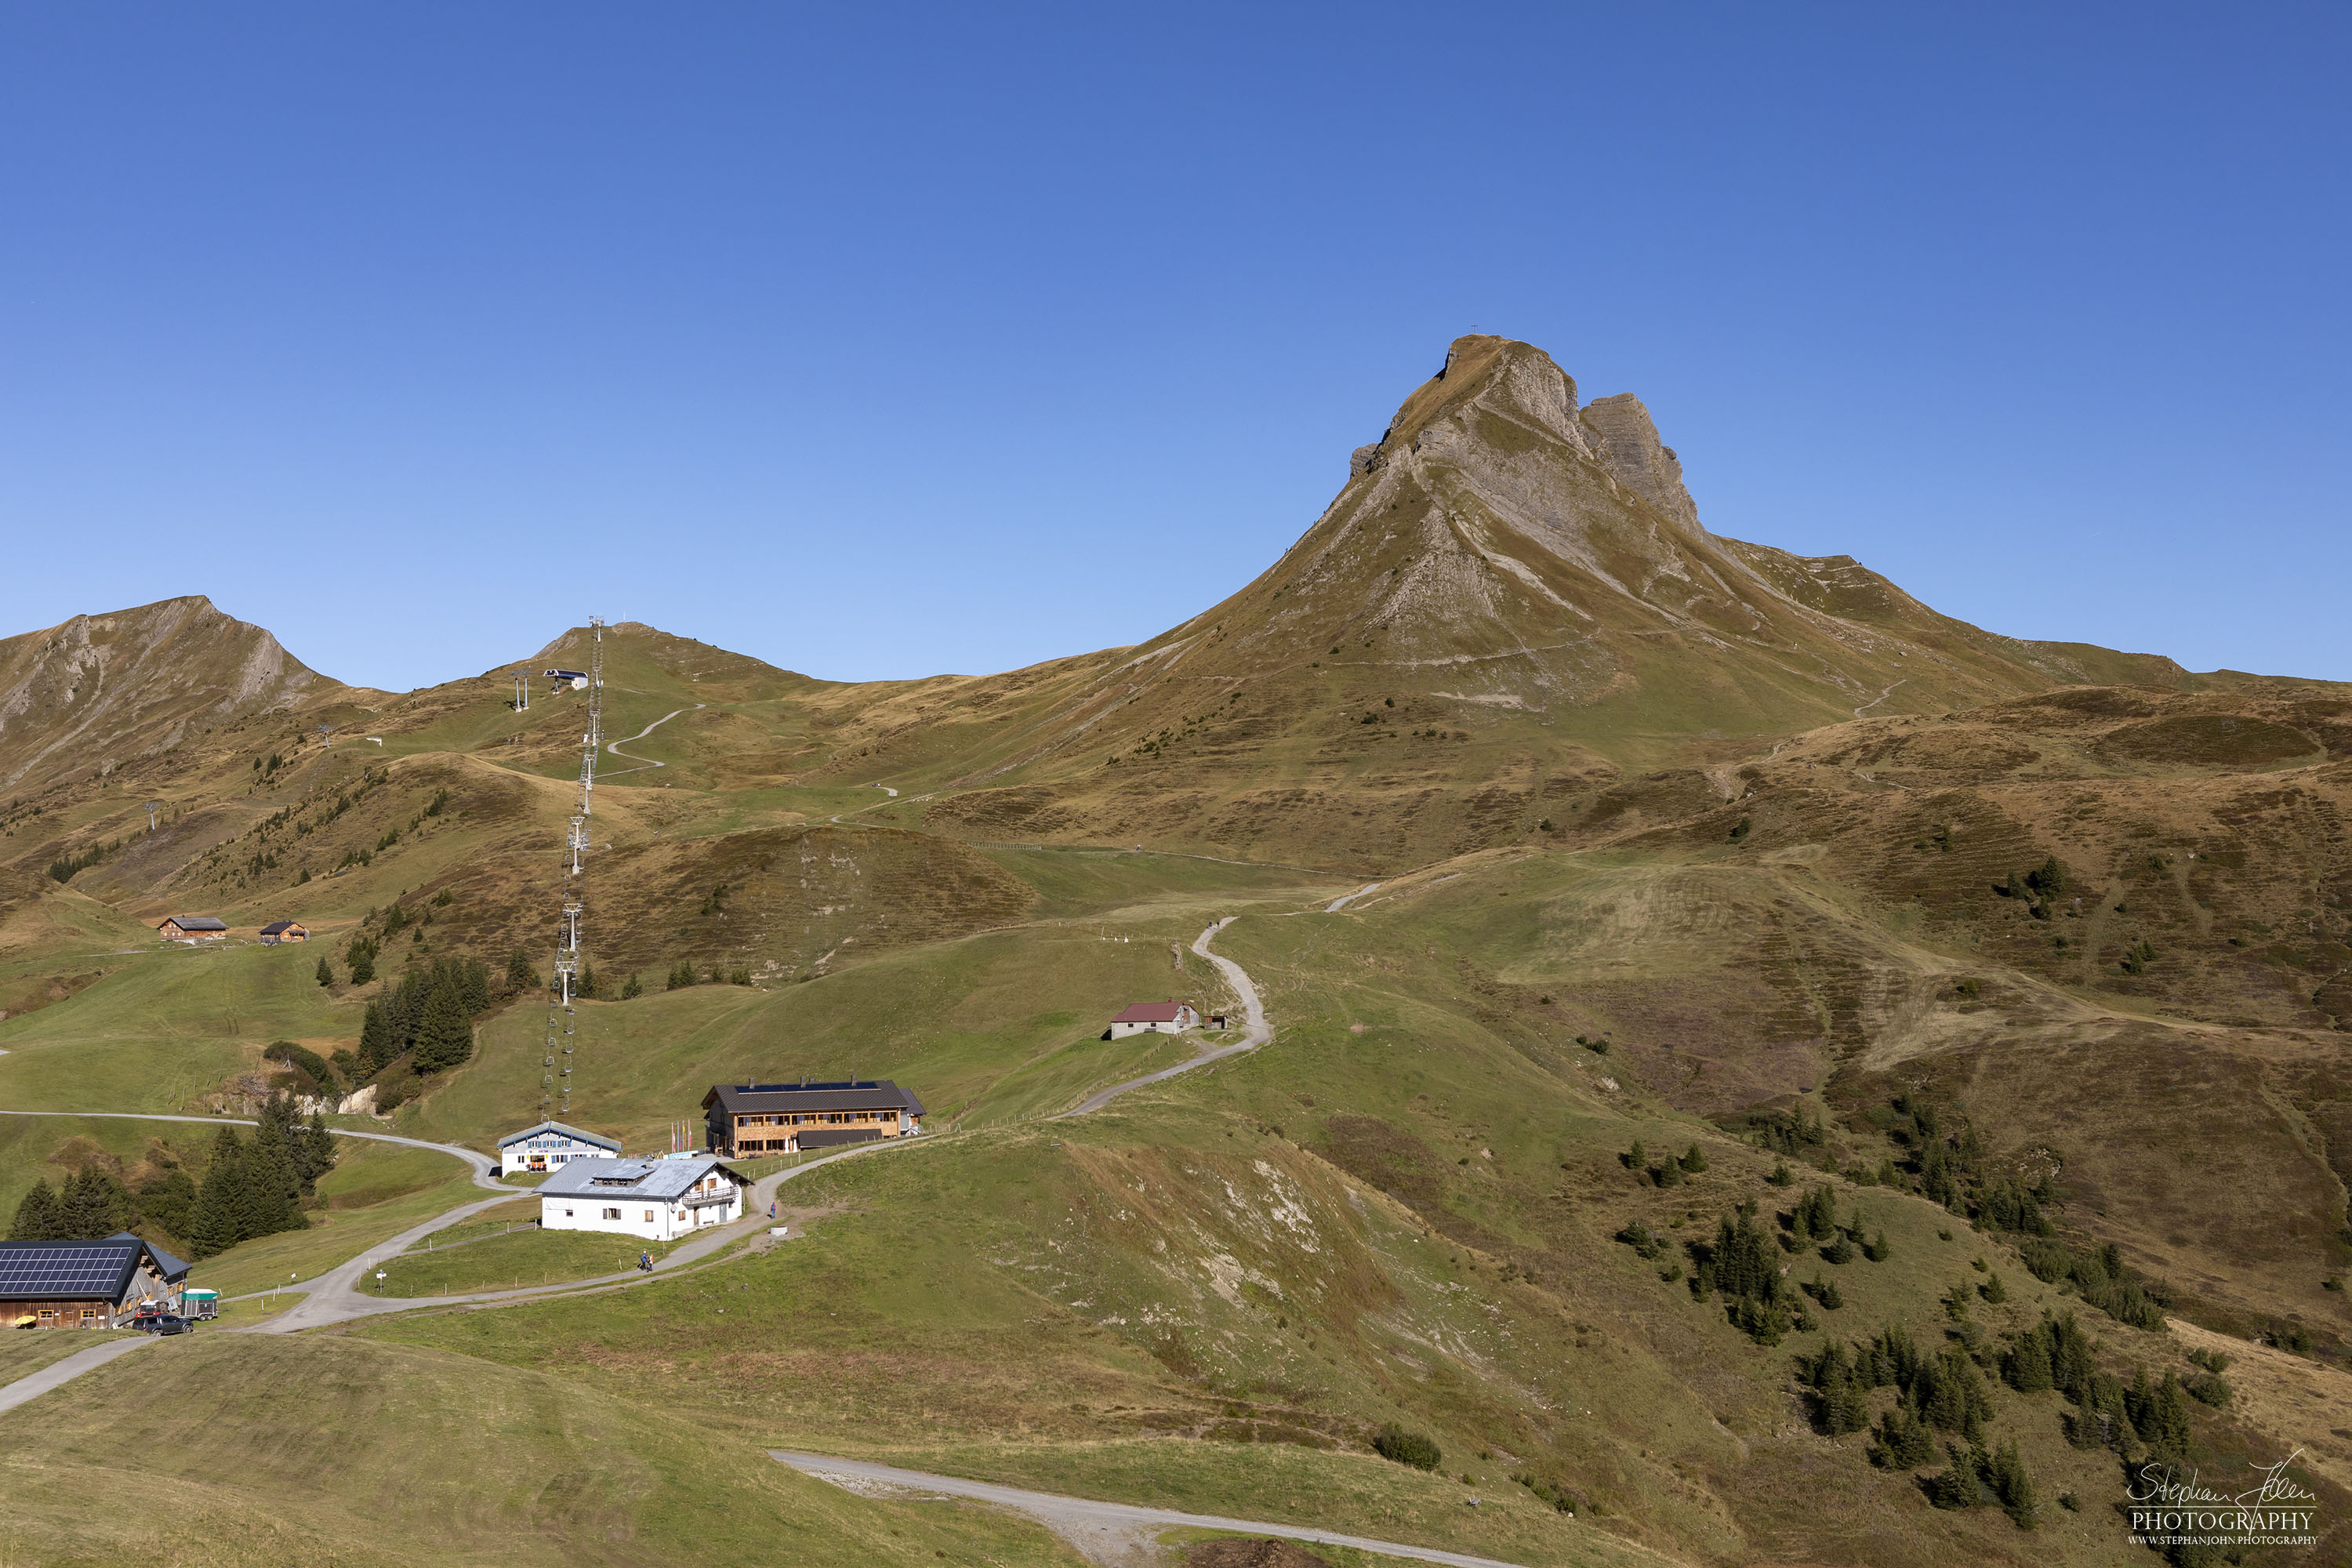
x,y
886,340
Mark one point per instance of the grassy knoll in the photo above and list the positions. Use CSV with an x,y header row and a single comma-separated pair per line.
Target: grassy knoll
x,y
162,1028
233,1450
1077,882
507,1262
1001,1024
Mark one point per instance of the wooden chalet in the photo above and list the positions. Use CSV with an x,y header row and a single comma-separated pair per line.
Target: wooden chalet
x,y
82,1284
277,932
192,928
748,1118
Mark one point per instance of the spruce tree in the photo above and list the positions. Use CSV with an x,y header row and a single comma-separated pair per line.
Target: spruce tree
x,y
377,1045
632,988
326,971
37,1216
213,1224
273,1186
2027,1365
444,1037
521,974
94,1205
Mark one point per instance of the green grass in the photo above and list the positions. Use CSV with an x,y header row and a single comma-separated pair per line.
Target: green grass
x,y
163,1027
992,1025
507,1262
374,1192
24,1352
237,1450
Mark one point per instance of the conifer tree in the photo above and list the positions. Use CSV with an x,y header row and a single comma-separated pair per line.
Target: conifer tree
x,y
632,988
521,974
273,1188
377,1043
93,1204
37,1216
444,1037
214,1225
326,971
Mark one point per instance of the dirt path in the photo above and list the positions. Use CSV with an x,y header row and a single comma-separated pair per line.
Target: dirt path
x,y
1256,1034
1110,1533
644,762
1344,900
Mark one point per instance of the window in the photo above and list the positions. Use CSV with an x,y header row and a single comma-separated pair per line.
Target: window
x,y
612,1213
649,1216
567,1214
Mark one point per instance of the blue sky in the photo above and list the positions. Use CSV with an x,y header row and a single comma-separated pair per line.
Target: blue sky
x,y
886,340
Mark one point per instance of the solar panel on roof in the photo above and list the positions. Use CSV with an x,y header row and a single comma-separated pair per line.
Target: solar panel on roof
x,y
63,1270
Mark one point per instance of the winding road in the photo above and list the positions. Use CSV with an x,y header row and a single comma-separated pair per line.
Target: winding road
x,y
1102,1531
1254,1034
644,762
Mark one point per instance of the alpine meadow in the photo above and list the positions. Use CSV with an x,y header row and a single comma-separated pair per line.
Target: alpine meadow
x,y
1631,1046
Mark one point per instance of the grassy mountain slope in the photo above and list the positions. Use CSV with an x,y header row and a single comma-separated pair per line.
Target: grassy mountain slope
x,y
1679,840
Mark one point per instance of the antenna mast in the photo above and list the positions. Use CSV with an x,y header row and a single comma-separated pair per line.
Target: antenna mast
x,y
562,1021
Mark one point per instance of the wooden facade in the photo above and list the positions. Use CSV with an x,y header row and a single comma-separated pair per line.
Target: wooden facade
x,y
744,1119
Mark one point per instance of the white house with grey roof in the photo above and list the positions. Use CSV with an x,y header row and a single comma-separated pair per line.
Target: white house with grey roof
x,y
658,1200
551,1145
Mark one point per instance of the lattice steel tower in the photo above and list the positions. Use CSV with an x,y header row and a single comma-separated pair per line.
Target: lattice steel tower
x,y
562,1022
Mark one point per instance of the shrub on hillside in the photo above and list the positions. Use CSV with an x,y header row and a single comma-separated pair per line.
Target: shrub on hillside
x,y
1415,1449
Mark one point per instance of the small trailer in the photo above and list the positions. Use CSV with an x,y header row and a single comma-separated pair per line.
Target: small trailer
x,y
200,1303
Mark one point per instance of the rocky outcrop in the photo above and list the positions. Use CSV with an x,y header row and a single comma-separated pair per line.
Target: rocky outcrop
x,y
98,690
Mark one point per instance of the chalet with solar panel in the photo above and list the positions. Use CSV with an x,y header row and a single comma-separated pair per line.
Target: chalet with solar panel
x,y
659,1200
745,1120
191,929
83,1284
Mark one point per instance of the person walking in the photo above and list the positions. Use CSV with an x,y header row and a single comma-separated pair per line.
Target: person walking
x,y
646,1261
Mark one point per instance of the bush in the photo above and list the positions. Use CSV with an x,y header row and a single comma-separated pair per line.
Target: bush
x,y
1417,1449
303,1059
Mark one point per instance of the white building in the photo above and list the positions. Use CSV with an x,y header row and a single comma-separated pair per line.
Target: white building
x,y
659,1200
551,1145
1154,1018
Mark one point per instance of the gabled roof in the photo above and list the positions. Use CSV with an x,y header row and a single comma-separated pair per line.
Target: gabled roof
x,y
1152,1013
612,1143
654,1180
276,928
763,1098
195,923
80,1270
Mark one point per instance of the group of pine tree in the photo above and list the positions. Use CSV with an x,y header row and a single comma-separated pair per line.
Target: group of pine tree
x,y
428,1016
252,1185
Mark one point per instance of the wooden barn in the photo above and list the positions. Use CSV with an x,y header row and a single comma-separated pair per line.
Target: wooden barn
x,y
192,928
277,932
82,1284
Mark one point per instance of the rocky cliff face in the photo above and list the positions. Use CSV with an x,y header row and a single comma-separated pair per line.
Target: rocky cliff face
x,y
99,690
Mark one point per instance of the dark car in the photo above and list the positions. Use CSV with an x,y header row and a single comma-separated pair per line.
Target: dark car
x,y
162,1323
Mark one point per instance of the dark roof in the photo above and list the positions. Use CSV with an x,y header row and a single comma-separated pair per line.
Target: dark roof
x,y
1151,1013
758,1099
195,922
275,927
827,1139
78,1270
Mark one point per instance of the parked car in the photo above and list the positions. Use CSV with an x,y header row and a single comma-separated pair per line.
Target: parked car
x,y
162,1323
